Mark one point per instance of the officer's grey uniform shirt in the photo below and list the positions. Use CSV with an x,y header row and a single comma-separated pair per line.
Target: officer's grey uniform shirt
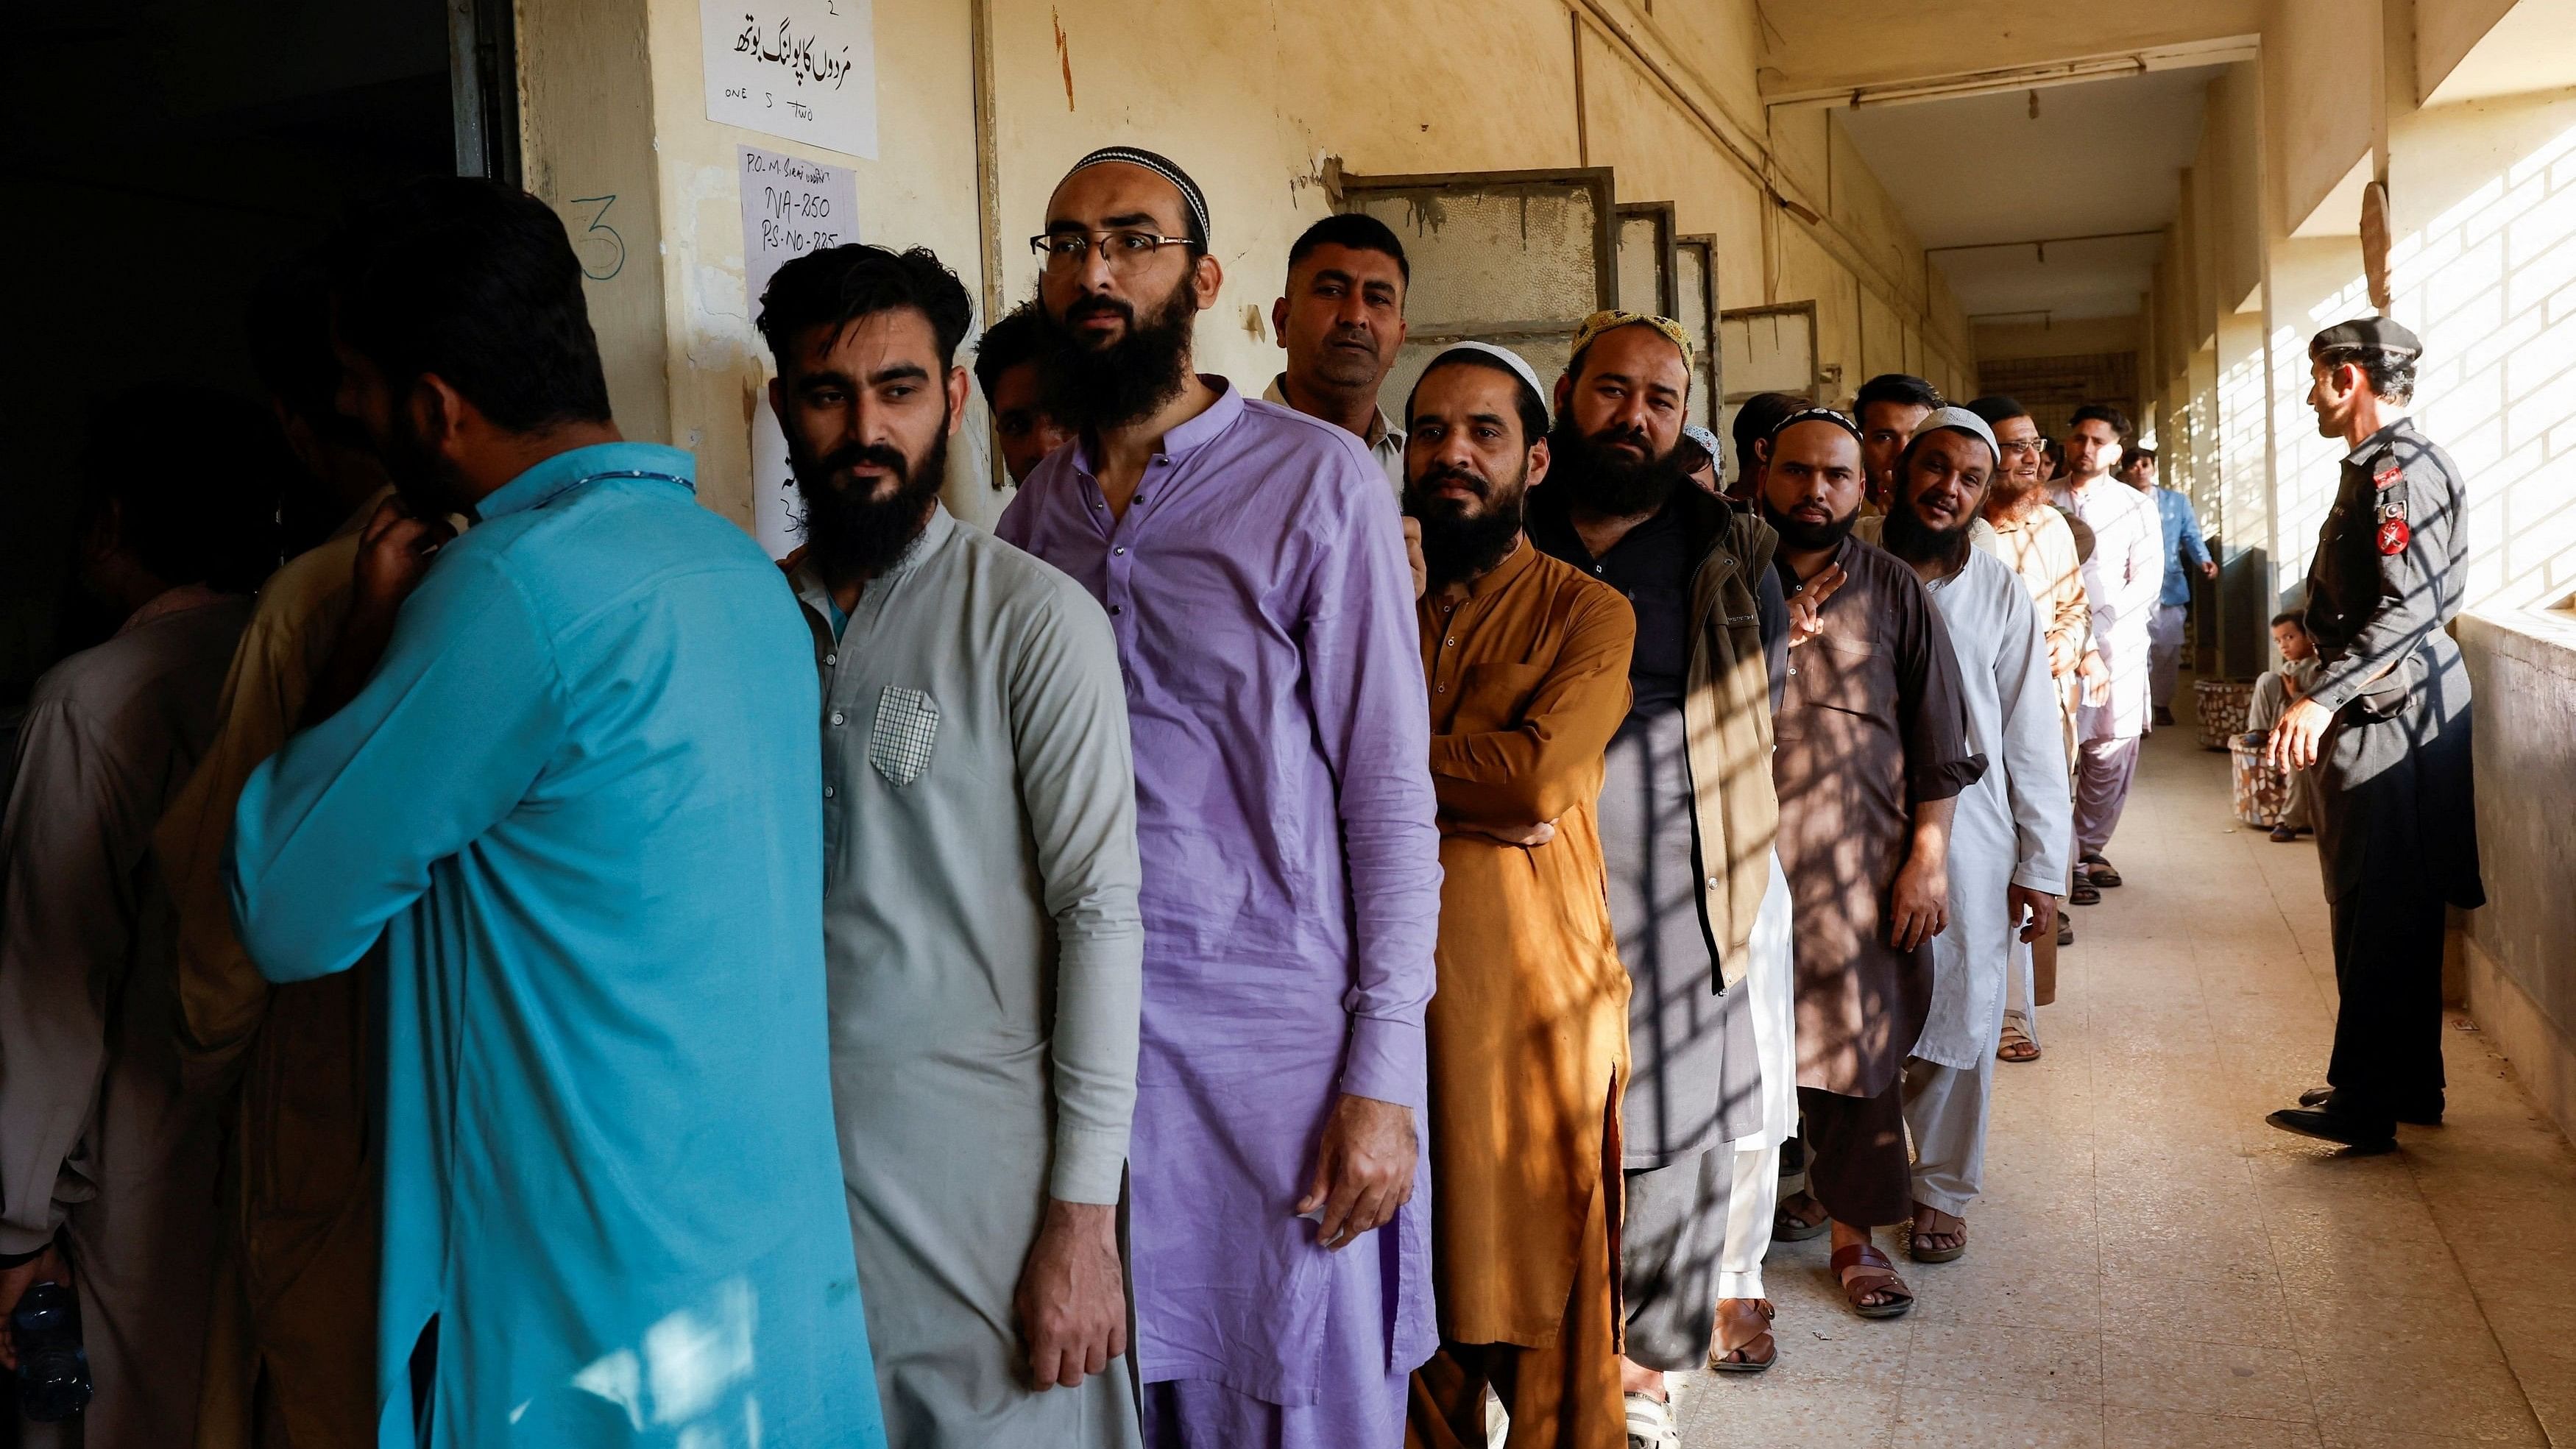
x,y
2390,571
985,961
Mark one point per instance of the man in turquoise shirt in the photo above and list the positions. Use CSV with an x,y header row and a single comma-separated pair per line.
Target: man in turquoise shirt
x,y
562,764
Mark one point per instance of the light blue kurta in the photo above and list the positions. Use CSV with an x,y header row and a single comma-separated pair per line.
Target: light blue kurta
x,y
582,799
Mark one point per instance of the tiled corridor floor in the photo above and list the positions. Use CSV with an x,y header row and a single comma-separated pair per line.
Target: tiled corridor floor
x,y
2151,1264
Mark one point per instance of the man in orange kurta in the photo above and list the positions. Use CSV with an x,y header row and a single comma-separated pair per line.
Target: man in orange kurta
x,y
1527,662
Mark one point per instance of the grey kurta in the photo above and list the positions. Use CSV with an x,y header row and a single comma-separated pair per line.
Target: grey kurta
x,y
97,1136
985,961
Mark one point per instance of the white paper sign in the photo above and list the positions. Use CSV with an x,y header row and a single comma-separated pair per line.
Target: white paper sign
x,y
802,70
790,206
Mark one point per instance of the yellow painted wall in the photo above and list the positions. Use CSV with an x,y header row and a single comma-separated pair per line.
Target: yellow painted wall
x,y
2318,61
1816,43
1252,103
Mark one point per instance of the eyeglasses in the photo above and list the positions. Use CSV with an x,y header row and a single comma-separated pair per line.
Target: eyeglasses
x,y
2030,449
1122,250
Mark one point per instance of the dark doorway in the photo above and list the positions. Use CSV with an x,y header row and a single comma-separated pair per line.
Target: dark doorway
x,y
155,160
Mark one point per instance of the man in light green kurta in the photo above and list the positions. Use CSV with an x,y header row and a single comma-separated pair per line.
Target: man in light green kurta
x,y
980,924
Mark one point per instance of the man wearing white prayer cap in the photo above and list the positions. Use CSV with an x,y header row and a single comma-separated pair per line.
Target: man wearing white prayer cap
x,y
2010,833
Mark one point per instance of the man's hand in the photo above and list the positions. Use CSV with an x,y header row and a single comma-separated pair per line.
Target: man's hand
x,y
1363,1169
2096,676
2061,656
1527,837
1413,556
2209,568
1072,1299
2042,908
14,1283
394,555
1919,909
2295,736
1806,607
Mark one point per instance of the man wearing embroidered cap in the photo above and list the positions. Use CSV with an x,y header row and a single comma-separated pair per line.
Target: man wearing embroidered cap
x,y
1687,817
1253,570
1528,662
2387,729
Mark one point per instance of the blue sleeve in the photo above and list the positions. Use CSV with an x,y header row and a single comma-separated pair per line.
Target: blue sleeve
x,y
2194,547
336,833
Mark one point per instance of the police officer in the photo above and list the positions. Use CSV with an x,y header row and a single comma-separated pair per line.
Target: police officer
x,y
2387,730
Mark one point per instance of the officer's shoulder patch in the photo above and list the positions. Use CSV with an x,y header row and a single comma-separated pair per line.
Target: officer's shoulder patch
x,y
2389,473
2393,537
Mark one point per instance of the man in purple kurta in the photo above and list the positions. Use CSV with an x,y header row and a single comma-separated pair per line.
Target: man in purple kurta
x,y
1253,568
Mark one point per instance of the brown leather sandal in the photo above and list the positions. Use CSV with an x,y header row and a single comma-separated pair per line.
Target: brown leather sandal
x,y
1862,1270
1751,1356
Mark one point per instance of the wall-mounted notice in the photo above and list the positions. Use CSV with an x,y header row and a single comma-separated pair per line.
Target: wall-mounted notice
x,y
801,70
790,206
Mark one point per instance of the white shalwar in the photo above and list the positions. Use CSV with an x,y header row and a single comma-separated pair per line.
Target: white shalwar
x,y
2123,581
2011,828
1756,1191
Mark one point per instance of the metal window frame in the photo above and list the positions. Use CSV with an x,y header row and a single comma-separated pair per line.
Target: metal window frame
x,y
1806,309
1705,244
1667,258
483,87
1342,186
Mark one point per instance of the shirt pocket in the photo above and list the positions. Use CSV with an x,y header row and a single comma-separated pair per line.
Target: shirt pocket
x,y
1495,696
1842,673
907,725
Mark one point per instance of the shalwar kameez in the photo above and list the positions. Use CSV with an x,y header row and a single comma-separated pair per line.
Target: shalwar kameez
x,y
102,1141
984,954
2121,581
581,799
1258,590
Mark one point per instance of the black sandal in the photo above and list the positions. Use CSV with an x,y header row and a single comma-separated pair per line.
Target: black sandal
x,y
2099,871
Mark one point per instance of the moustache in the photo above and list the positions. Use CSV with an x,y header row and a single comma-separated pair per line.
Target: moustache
x,y
1452,473
1100,307
1633,437
852,456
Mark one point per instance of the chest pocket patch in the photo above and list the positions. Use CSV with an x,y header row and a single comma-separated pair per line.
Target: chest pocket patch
x,y
907,725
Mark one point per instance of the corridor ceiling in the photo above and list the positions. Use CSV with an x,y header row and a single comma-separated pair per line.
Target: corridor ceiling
x,y
2102,156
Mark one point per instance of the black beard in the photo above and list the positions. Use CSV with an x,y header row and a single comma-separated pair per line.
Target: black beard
x,y
1458,545
1906,536
852,534
1808,537
1607,483
1126,381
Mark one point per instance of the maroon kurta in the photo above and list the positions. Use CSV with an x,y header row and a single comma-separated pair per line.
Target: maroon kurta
x,y
1874,721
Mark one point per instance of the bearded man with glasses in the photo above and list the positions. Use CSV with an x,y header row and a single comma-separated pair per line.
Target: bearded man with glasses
x,y
1253,569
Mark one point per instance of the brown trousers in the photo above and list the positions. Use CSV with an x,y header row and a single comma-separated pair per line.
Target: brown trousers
x,y
1563,1396
1856,1161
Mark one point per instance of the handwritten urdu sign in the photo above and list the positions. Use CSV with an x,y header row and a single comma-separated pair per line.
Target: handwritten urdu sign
x,y
803,70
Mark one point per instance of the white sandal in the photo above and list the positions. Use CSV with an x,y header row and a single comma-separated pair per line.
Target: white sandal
x,y
1650,1424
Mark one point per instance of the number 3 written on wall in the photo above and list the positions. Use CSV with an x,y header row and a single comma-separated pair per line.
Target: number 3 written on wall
x,y
601,249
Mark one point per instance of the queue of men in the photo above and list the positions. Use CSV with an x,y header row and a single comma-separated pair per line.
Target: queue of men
x,y
1243,954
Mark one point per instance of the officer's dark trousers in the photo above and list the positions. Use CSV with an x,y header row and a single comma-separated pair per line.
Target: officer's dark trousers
x,y
2388,1026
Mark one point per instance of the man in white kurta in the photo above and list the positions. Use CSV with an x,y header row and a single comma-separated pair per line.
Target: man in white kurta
x,y
981,938
2008,838
2122,580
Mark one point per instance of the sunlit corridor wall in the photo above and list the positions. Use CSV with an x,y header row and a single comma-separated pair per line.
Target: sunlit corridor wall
x,y
2483,265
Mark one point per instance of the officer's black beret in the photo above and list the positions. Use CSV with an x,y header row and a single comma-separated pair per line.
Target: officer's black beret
x,y
2380,332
